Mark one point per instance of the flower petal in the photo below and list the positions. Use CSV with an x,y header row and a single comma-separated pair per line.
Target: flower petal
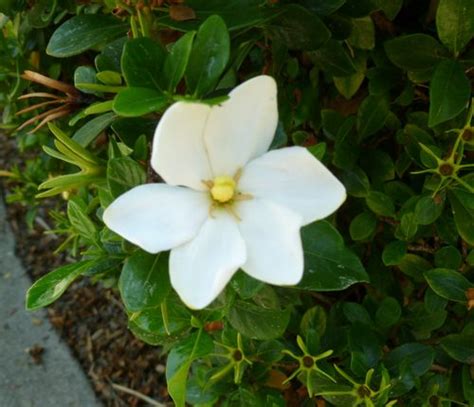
x,y
179,154
201,268
272,238
157,217
293,178
242,127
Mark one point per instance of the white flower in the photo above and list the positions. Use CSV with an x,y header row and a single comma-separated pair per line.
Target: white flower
x,y
227,202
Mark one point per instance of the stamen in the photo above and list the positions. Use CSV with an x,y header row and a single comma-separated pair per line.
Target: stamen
x,y
208,183
243,197
237,175
232,211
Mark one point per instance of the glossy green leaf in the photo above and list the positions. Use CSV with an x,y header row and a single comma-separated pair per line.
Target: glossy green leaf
x,y
363,226
123,174
390,7
388,313
463,216
50,287
161,324
393,253
449,284
209,56
109,77
349,85
415,52
132,102
83,32
455,23
448,257
177,61
257,322
363,33
81,222
144,281
414,266
460,347
329,265
380,203
84,75
179,361
428,209
333,58
372,115
449,92
88,133
142,60
417,356
298,28
468,384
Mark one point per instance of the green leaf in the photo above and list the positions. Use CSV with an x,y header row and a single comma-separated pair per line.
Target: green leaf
x,y
380,203
371,116
418,357
414,266
388,313
334,59
87,133
390,7
177,61
109,77
161,324
299,28
179,362
83,32
132,102
449,92
141,62
428,209
237,14
415,52
463,216
455,23
329,265
144,281
394,252
468,384
51,286
449,284
84,75
448,257
246,286
363,33
460,347
349,85
257,322
81,222
123,174
209,56
363,226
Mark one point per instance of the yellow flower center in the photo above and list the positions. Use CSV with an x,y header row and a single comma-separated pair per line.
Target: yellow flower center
x,y
223,189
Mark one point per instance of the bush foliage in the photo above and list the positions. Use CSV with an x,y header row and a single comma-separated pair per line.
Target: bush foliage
x,y
378,90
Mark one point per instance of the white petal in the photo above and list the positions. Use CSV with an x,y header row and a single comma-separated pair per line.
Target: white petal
x,y
293,178
201,268
179,154
273,242
242,127
157,217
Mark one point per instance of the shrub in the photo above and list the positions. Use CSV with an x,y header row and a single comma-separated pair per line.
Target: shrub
x,y
377,90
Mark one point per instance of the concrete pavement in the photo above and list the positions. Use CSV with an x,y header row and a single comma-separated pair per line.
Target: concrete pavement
x,y
57,380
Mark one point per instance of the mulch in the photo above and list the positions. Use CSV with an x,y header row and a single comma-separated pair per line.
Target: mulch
x,y
89,316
